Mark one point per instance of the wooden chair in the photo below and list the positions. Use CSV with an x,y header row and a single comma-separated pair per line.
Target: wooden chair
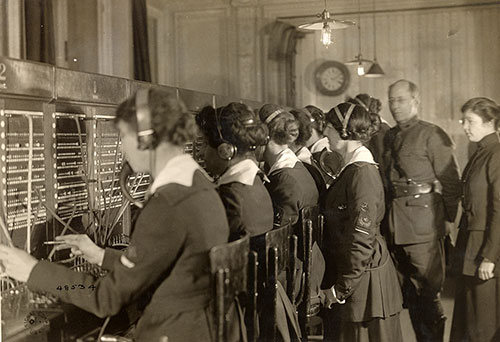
x,y
311,231
276,253
230,277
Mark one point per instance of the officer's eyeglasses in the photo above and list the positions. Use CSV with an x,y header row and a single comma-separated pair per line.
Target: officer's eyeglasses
x,y
400,99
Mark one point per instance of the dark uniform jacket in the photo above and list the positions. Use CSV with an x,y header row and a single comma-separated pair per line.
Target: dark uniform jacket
x,y
248,204
291,187
168,253
328,162
358,264
376,143
479,235
307,159
418,153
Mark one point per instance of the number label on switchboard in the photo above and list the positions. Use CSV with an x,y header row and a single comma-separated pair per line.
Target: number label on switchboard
x,y
3,78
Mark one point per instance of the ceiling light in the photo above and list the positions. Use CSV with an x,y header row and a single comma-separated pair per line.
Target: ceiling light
x,y
358,59
326,24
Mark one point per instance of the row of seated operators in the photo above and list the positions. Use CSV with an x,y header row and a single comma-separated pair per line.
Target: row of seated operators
x,y
262,169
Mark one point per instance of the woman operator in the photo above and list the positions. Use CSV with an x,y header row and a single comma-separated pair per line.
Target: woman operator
x,y
168,252
291,186
362,286
232,134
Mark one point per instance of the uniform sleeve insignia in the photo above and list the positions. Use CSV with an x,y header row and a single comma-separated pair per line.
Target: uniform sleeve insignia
x,y
364,222
363,207
126,262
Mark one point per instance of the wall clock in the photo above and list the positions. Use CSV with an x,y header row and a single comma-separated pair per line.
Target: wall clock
x,y
332,78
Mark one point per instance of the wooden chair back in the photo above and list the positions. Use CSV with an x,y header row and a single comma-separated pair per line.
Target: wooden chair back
x,y
311,231
229,269
276,253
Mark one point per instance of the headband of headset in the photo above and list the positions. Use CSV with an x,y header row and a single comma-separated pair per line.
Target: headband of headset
x,y
362,104
344,120
321,118
274,115
145,131
227,150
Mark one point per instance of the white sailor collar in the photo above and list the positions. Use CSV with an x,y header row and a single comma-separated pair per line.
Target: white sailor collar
x,y
320,145
286,159
361,154
243,172
179,170
304,155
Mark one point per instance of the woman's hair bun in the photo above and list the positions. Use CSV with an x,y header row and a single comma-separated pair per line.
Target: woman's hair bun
x,y
235,123
361,125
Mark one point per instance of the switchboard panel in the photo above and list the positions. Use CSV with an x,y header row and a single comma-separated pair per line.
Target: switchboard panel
x,y
60,167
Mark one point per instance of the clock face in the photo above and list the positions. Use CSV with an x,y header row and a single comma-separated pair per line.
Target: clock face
x,y
332,78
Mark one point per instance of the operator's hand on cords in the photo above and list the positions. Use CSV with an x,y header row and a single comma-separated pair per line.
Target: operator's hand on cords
x,y
17,263
82,245
485,270
330,297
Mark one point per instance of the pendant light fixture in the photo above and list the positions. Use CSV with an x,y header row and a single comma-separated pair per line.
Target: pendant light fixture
x,y
359,60
326,24
375,70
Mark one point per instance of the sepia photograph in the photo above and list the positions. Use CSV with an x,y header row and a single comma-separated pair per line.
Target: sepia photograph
x,y
249,170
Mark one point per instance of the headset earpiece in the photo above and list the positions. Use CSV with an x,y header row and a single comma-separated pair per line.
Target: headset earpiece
x,y
226,151
146,135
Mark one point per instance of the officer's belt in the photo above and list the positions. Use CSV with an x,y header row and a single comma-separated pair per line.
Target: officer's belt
x,y
403,190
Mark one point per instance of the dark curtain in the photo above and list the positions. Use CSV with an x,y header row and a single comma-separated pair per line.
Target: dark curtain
x,y
142,70
39,28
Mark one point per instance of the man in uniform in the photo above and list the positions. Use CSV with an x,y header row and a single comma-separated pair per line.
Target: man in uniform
x,y
423,193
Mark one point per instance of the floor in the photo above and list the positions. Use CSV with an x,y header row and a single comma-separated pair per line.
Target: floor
x,y
447,298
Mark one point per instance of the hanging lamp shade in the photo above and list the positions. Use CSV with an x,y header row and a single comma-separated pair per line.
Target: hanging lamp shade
x,y
326,24
357,59
325,18
333,23
375,70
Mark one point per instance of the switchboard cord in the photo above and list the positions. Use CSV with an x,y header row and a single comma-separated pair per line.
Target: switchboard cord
x,y
113,180
30,183
85,173
102,225
6,232
66,227
53,213
101,331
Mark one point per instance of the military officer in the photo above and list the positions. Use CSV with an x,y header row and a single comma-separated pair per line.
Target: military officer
x,y
424,190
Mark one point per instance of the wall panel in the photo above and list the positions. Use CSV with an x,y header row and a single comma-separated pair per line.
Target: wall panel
x,y
202,50
452,55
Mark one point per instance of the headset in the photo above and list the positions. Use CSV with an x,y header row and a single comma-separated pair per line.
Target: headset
x,y
362,104
319,121
345,120
146,135
226,150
